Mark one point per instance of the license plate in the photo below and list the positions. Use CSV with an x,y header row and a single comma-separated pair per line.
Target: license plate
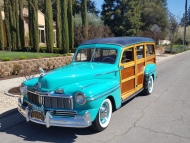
x,y
37,115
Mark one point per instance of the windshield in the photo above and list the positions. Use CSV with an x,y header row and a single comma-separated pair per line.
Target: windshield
x,y
96,55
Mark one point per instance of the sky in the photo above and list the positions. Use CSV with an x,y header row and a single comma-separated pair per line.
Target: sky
x,y
177,7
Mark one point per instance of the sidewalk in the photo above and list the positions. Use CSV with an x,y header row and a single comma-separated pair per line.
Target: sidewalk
x,y
8,104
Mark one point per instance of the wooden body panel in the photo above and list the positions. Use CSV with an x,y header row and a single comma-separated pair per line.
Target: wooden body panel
x,y
132,76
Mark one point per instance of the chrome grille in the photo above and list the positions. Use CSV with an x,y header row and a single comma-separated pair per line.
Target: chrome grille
x,y
50,101
63,113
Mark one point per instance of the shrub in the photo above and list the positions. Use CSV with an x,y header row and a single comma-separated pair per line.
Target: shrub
x,y
7,59
69,54
16,69
22,58
64,55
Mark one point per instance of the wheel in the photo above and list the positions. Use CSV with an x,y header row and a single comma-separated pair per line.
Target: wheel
x,y
149,90
103,117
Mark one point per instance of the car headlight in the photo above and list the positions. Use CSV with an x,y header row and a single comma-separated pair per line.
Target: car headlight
x,y
80,98
23,89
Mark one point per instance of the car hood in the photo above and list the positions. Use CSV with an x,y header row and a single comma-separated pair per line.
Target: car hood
x,y
76,72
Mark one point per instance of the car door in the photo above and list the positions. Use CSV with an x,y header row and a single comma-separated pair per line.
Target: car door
x,y
128,73
140,63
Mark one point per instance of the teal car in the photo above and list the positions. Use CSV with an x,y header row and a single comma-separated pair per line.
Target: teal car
x,y
103,74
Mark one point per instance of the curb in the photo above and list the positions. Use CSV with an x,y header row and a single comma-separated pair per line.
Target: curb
x,y
9,94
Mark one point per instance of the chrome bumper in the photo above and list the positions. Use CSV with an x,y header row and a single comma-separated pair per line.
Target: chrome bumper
x,y
49,120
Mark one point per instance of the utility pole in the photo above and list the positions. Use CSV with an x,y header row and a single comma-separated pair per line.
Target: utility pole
x,y
184,37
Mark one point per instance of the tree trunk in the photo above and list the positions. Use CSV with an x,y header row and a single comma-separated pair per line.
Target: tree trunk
x,y
17,23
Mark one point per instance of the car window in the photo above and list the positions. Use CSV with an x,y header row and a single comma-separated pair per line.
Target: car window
x,y
84,55
96,55
127,55
150,50
140,52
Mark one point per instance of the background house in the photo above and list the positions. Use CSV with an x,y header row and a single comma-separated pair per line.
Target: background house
x,y
41,27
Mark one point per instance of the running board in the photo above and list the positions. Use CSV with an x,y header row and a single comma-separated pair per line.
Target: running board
x,y
133,95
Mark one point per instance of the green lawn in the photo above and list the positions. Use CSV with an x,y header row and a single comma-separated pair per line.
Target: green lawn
x,y
24,55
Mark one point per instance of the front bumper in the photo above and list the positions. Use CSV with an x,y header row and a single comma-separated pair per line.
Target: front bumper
x,y
50,120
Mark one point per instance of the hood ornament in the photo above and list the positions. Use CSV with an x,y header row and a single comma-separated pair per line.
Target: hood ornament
x,y
42,72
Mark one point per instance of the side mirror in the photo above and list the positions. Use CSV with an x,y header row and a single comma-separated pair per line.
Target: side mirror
x,y
121,68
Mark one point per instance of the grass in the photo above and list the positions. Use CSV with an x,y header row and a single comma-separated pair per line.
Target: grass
x,y
177,49
6,56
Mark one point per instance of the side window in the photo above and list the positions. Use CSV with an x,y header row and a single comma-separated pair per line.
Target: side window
x,y
140,52
149,50
127,56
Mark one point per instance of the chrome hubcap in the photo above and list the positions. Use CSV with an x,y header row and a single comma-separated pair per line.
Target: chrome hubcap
x,y
104,113
150,84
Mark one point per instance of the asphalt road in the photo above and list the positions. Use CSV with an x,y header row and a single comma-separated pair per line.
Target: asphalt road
x,y
162,117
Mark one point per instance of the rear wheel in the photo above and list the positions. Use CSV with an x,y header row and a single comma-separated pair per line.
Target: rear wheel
x,y
104,116
149,90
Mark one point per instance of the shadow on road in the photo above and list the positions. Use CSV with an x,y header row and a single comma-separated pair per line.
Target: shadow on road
x,y
29,131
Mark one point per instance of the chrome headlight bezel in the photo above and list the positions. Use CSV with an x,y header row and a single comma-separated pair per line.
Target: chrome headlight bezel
x,y
23,89
80,98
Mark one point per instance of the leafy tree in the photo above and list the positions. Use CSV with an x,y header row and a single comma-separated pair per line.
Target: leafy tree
x,y
70,24
49,26
84,18
58,24
173,29
154,12
21,24
93,20
91,7
65,36
7,22
31,27
1,33
123,17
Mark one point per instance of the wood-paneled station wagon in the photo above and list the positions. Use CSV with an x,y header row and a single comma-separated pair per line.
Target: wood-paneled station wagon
x,y
102,75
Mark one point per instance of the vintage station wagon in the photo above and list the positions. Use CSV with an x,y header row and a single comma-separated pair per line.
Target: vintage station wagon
x,y
103,74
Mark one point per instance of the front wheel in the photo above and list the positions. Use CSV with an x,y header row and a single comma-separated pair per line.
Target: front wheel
x,y
149,90
103,117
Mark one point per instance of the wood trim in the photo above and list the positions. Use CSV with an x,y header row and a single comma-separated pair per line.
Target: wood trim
x,y
140,79
127,72
128,86
140,67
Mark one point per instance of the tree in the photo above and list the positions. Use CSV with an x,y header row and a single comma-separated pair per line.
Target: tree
x,y
49,26
17,23
1,33
123,17
154,12
58,24
70,24
173,29
91,7
13,26
7,23
21,24
33,24
84,18
65,36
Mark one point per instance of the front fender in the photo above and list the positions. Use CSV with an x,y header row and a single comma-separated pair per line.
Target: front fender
x,y
150,70
95,91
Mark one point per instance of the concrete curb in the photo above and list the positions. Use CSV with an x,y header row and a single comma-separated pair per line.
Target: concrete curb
x,y
11,118
9,94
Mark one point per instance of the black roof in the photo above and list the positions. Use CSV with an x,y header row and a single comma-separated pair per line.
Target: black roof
x,y
122,41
